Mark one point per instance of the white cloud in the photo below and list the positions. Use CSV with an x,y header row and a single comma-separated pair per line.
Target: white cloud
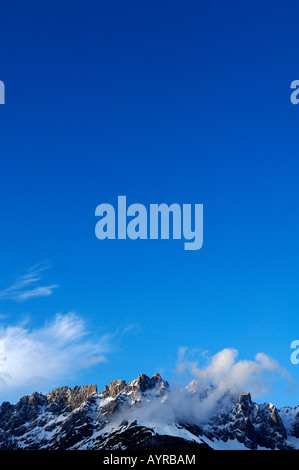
x,y
216,385
220,381
225,371
51,353
25,286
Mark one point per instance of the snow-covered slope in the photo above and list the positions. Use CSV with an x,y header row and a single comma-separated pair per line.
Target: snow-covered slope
x,y
146,414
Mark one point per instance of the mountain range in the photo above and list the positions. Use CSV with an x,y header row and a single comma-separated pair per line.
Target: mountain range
x,y
146,414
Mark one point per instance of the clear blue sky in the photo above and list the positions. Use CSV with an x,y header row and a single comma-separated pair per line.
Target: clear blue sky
x,y
161,101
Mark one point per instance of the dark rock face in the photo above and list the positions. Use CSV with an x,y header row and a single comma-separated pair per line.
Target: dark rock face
x,y
296,426
82,418
253,425
134,437
21,422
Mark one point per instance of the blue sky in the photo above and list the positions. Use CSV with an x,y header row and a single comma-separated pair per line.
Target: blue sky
x,y
185,102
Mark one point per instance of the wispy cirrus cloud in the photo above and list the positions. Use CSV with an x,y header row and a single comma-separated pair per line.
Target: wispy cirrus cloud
x,y
27,286
47,354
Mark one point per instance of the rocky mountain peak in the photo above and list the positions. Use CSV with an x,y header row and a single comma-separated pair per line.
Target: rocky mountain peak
x,y
116,387
34,400
142,384
245,400
71,397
